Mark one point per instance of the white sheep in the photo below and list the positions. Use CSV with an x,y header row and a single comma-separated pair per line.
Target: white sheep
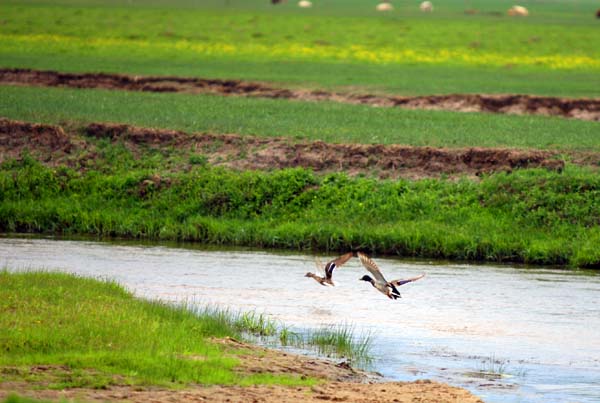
x,y
385,6
426,7
305,4
519,11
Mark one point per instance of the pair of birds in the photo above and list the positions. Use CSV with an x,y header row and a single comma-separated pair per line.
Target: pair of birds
x,y
388,288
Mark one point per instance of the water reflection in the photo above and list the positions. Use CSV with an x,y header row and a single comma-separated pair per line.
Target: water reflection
x,y
539,327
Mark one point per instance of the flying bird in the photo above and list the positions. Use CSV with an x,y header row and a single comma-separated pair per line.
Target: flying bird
x,y
387,288
328,268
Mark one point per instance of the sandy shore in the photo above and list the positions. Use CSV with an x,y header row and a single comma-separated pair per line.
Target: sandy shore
x,y
341,383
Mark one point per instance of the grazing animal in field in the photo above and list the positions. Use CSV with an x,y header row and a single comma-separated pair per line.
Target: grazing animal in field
x,y
387,288
518,11
385,6
277,1
304,4
426,7
598,13
328,268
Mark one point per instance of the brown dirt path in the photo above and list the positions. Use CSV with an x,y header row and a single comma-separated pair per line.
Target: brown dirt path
x,y
75,146
341,383
582,108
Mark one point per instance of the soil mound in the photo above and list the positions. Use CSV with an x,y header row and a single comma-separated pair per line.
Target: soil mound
x,y
16,137
245,152
74,147
583,108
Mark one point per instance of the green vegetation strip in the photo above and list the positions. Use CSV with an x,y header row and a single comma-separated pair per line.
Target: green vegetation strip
x,y
19,399
329,121
95,333
345,43
531,216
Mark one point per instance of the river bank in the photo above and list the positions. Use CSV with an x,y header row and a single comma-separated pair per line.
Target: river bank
x,y
56,348
153,192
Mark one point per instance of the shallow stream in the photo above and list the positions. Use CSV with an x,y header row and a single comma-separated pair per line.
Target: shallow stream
x,y
539,328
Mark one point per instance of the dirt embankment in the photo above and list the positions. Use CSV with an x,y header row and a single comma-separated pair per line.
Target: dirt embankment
x,y
585,109
341,383
76,147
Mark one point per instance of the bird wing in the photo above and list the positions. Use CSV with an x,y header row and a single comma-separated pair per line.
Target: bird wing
x,y
371,266
319,265
332,264
398,283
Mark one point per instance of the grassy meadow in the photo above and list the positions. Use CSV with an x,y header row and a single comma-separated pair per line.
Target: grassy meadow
x,y
330,121
342,44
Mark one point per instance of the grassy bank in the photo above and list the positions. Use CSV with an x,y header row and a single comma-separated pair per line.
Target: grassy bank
x,y
341,43
532,216
85,332
329,121
94,333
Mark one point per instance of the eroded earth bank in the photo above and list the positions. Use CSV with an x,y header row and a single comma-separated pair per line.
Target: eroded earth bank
x,y
77,147
576,108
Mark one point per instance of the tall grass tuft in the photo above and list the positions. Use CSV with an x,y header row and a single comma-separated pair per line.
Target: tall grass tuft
x,y
341,340
337,341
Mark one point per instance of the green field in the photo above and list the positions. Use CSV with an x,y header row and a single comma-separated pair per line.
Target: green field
x,y
329,121
337,44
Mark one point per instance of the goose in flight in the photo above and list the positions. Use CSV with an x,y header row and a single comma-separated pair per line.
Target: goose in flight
x,y
387,288
328,268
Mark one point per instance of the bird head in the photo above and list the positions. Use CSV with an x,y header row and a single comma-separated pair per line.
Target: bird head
x,y
366,278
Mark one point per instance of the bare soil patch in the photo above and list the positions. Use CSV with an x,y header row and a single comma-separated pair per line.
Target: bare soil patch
x,y
581,108
341,383
75,146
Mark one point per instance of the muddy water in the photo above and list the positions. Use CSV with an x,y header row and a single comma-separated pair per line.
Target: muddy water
x,y
540,328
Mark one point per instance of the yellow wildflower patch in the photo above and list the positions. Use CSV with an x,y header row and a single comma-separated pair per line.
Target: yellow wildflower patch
x,y
301,52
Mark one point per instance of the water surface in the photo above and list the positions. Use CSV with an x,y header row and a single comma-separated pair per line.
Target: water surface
x,y
540,328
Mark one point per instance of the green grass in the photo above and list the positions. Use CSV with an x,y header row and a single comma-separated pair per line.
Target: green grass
x,y
341,338
97,334
328,121
340,341
13,398
190,38
531,216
